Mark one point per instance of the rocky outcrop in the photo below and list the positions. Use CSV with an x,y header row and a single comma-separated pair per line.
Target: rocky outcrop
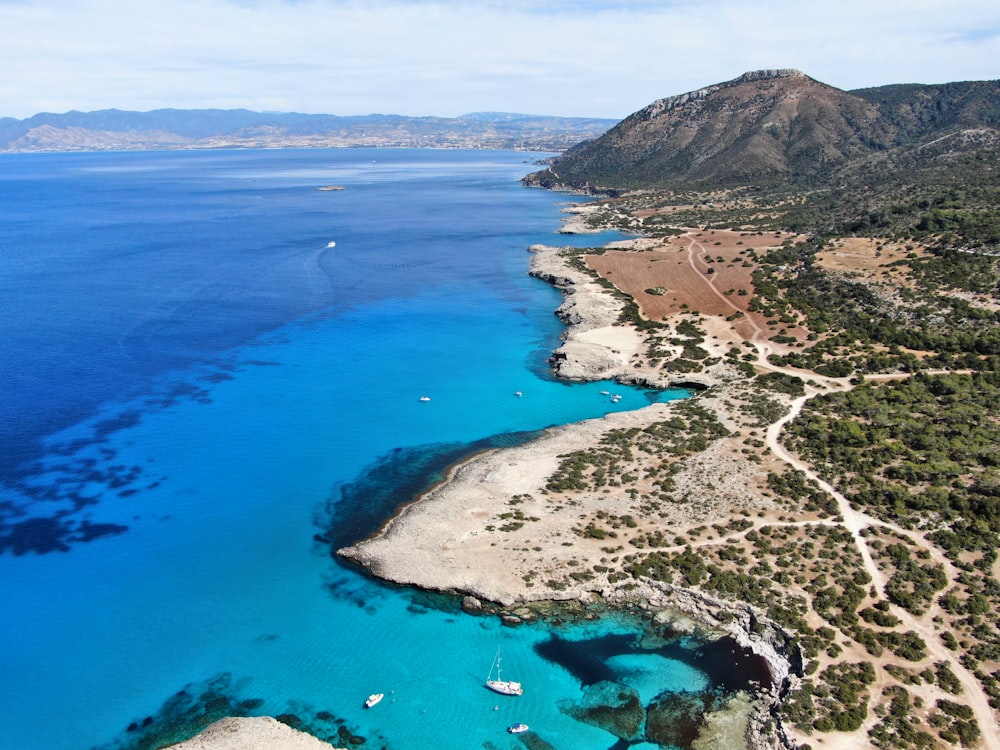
x,y
595,346
257,733
672,102
691,610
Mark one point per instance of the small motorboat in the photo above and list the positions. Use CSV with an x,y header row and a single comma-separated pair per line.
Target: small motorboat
x,y
373,699
425,398
517,728
518,394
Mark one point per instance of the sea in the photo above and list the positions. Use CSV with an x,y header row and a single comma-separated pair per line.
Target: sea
x,y
215,373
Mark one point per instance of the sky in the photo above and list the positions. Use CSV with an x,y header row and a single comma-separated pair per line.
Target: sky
x,y
575,58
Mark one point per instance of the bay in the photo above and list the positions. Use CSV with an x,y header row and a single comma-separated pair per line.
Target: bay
x,y
206,359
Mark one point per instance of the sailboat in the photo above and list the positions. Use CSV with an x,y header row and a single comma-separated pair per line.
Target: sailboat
x,y
499,685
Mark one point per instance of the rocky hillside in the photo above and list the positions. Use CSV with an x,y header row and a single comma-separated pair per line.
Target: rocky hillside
x,y
772,127
117,130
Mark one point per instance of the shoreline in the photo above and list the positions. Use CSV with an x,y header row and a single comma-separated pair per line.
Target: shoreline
x,y
440,540
241,733
459,538
452,538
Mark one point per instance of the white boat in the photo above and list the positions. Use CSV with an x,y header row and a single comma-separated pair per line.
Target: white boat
x,y
500,685
331,244
517,728
425,398
373,699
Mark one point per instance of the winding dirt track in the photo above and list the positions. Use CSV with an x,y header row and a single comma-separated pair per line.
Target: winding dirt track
x,y
854,520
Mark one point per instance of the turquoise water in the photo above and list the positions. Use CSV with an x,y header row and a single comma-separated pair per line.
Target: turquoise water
x,y
200,385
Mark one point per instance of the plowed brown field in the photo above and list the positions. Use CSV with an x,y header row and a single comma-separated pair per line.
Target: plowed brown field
x,y
700,270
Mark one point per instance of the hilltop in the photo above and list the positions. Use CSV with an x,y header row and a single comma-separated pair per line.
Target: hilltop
x,y
773,127
799,155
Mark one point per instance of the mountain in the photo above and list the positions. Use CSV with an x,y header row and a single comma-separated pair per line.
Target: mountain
x,y
117,130
775,128
919,110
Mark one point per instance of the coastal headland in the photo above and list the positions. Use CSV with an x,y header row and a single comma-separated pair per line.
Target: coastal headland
x,y
240,733
498,533
704,514
492,529
695,511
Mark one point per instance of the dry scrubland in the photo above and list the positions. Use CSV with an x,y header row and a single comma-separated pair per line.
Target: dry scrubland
x,y
704,496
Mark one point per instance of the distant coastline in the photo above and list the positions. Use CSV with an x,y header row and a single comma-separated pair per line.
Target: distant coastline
x,y
116,130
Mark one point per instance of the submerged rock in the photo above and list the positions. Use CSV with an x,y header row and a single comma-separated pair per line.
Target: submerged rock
x,y
611,706
726,727
677,718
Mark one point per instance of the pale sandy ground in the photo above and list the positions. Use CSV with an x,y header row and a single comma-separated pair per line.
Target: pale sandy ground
x,y
452,539
259,733
442,542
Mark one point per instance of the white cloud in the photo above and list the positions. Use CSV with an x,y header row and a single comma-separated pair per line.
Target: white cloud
x,y
446,57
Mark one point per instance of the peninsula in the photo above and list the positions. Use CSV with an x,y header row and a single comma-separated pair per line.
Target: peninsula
x,y
820,267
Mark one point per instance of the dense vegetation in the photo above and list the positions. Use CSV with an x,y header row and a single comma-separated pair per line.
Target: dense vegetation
x,y
872,328
923,452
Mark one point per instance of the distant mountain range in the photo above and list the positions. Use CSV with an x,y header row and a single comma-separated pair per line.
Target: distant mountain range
x,y
117,130
766,129
781,127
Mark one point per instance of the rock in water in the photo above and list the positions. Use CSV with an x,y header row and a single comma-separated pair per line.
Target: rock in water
x,y
676,718
613,707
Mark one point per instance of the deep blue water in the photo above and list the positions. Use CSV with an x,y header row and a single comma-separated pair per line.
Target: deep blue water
x,y
197,385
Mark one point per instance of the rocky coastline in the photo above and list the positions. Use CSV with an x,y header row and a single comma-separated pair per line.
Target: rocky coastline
x,y
595,344
685,608
446,540
250,733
